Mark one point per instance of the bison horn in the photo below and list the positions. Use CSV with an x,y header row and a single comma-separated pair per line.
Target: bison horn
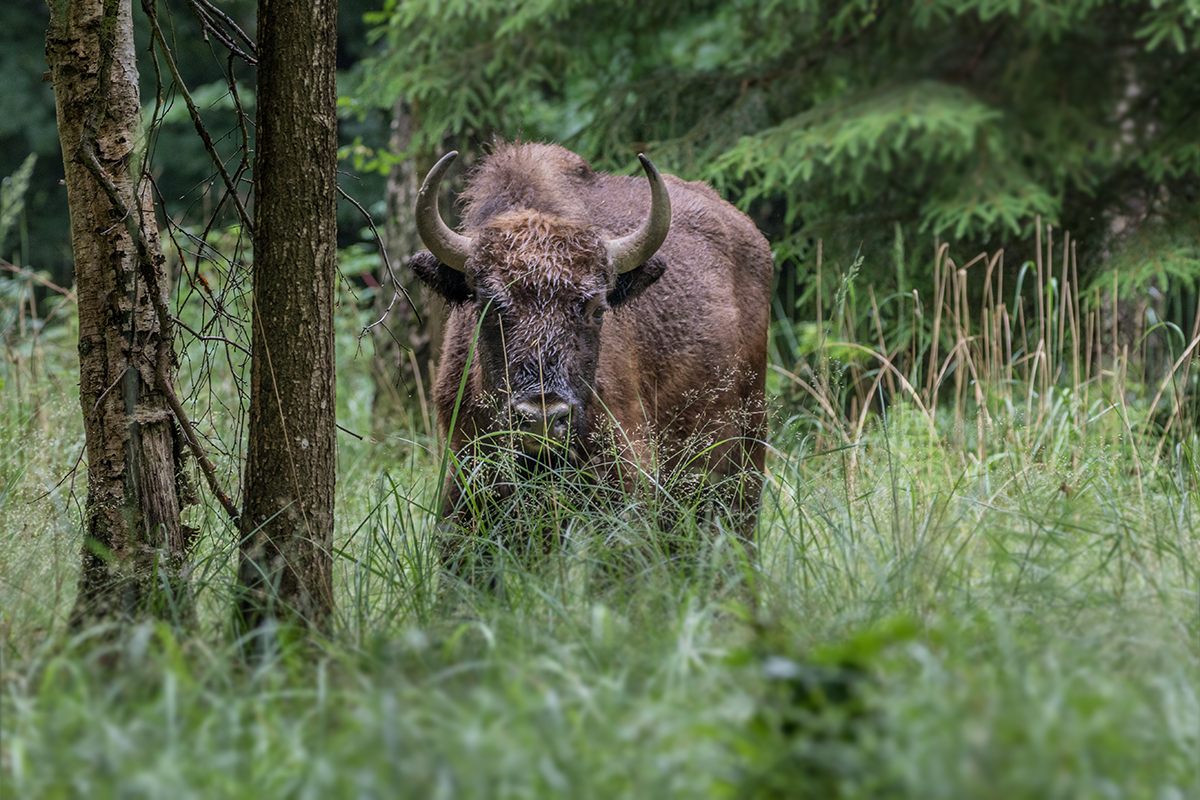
x,y
449,247
630,252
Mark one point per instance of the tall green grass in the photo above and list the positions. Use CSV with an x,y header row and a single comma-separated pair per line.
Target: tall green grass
x,y
975,576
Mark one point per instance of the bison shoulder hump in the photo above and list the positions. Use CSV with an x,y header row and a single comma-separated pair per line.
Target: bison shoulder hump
x,y
703,188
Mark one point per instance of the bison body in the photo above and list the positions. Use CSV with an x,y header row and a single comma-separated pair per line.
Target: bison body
x,y
576,324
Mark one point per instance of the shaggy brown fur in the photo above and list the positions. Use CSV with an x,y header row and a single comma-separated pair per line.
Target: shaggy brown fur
x,y
677,360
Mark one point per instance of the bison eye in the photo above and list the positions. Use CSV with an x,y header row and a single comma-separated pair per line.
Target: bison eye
x,y
593,313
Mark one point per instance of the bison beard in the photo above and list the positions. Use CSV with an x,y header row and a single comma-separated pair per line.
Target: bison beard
x,y
593,322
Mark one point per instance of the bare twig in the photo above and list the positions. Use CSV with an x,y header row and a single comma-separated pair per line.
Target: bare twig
x,y
69,474
189,435
204,12
204,338
156,32
387,262
8,266
358,436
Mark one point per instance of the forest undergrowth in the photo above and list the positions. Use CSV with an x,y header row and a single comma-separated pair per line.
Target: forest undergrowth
x,y
975,575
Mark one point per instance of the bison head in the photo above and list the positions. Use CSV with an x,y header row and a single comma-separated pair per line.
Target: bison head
x,y
541,285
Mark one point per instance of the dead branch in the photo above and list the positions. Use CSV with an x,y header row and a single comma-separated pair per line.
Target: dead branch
x,y
156,33
205,12
387,262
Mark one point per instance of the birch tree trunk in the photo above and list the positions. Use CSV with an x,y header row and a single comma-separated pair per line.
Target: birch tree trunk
x,y
135,546
287,521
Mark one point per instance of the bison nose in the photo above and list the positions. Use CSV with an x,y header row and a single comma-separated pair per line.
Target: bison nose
x,y
548,419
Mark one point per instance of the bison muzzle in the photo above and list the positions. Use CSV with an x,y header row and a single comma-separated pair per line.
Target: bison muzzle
x,y
596,322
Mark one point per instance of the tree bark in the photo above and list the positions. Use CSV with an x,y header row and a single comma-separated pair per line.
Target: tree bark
x,y
287,521
135,546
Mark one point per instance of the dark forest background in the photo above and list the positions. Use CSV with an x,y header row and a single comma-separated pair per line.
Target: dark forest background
x,y
880,128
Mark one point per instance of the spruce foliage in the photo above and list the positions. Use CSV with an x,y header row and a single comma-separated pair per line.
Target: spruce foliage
x,y
961,120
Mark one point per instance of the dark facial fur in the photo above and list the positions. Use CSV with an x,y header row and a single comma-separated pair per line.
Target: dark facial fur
x,y
542,286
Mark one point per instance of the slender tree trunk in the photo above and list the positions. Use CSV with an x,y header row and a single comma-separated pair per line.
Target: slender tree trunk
x,y
287,521
135,546
405,354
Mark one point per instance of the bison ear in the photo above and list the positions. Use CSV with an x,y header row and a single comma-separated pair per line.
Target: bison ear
x,y
630,284
449,283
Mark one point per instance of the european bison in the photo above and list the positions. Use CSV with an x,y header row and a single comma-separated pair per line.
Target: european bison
x,y
622,329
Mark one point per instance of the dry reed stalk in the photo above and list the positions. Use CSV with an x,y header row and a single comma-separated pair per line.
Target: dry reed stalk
x,y
851,472
950,357
987,326
930,394
1137,461
1041,312
954,308
1022,339
1006,328
972,352
1076,410
988,318
1038,355
822,374
1168,380
882,345
965,358
1115,328
1076,337
822,401
1046,287
1062,298
982,418
1139,340
854,415
1046,310
1075,281
856,381
909,389
962,331
1195,334
1091,343
861,421
983,370
1001,303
